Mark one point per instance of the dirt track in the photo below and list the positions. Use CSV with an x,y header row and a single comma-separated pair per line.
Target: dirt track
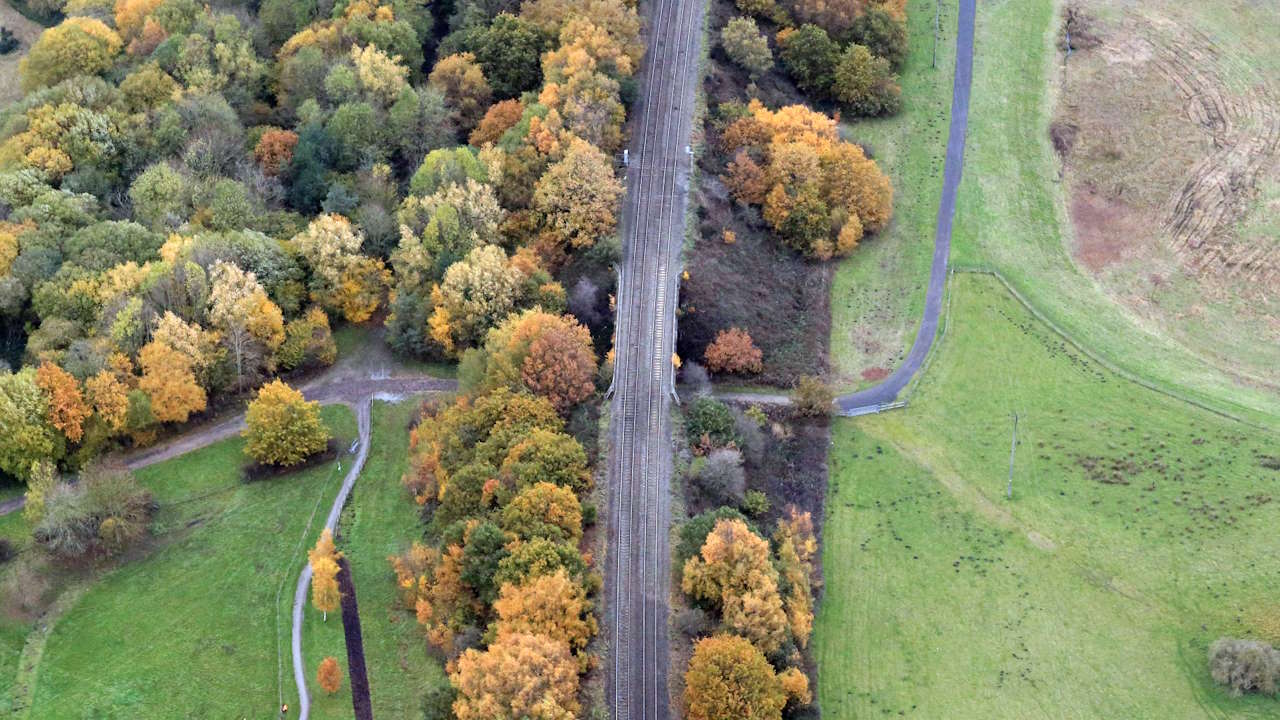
x,y
653,227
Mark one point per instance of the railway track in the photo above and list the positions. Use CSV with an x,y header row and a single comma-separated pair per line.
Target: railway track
x,y
653,224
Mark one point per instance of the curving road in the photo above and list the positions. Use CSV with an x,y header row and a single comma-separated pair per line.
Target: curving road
x,y
871,399
304,579
653,228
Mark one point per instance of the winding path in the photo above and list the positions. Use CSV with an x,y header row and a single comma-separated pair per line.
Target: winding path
x,y
874,398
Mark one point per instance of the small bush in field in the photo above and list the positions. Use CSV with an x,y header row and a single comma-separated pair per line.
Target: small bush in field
x,y
1245,666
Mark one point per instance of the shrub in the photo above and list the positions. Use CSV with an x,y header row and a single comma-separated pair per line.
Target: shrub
x,y
709,419
6,550
8,43
865,83
1245,666
812,397
694,622
733,352
719,478
105,512
746,46
755,503
437,701
809,56
695,379
882,34
308,342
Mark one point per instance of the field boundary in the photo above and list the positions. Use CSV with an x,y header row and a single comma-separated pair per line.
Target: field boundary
x,y
1098,358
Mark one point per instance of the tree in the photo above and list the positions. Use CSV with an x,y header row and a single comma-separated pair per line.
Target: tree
x,y
810,56
478,292
746,46
169,382
130,15
834,16
324,574
109,398
796,686
509,50
551,605
282,427
519,677
561,365
712,419
1245,666
461,80
547,456
381,76
734,573
544,511
39,484
720,478
729,679
578,196
882,34
308,342
252,326
76,46
67,408
275,149
733,352
483,549
497,120
329,675
865,83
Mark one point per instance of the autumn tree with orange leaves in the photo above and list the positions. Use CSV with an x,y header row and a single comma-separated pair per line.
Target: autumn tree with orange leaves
x,y
551,605
735,574
329,675
733,352
67,408
169,382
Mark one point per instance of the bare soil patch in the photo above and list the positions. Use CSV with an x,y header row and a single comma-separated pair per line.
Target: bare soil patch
x,y
1169,134
26,31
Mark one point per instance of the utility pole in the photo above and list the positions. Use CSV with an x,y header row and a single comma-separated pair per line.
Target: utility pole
x,y
936,11
1013,447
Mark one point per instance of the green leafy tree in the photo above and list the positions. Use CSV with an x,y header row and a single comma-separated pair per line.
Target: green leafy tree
x,y
76,46
29,435
746,46
809,55
865,83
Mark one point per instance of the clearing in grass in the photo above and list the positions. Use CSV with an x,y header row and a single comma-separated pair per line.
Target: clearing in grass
x,y
1141,529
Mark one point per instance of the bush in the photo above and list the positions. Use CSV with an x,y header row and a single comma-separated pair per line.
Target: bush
x,y
746,46
308,342
884,36
1245,666
709,419
8,43
6,550
437,702
694,380
755,503
719,477
694,623
809,56
734,352
865,83
104,513
812,397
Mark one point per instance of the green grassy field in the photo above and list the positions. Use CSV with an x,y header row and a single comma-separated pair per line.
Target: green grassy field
x,y
379,520
1010,214
877,294
193,628
1141,529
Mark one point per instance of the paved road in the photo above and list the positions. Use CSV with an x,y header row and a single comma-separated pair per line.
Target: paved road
x,y
304,579
868,400
653,227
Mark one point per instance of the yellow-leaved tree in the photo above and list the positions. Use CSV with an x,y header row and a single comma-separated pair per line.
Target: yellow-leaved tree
x,y
520,677
735,573
323,558
282,427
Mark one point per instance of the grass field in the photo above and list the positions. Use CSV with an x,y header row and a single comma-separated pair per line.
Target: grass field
x,y
1141,529
1011,215
379,520
877,293
193,628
